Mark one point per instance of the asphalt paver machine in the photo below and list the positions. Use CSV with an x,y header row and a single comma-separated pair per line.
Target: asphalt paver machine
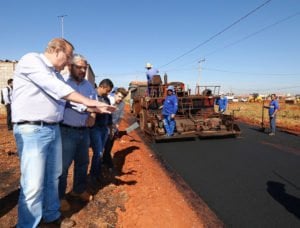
x,y
196,115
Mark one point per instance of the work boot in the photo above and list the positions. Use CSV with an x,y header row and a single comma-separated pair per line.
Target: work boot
x,y
64,205
84,196
62,222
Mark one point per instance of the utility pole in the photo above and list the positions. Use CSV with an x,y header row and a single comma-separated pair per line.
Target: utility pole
x,y
62,24
198,84
200,61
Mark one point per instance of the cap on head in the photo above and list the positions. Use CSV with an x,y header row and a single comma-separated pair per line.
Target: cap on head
x,y
170,87
148,65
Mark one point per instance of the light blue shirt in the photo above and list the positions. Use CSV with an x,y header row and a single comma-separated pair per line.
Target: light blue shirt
x,y
118,114
150,73
38,90
75,114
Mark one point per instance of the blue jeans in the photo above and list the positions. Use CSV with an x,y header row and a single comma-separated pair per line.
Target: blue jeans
x,y
107,158
75,146
40,153
273,124
169,124
98,136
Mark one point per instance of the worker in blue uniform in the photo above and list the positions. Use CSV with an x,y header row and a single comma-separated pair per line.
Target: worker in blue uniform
x,y
222,103
169,110
273,109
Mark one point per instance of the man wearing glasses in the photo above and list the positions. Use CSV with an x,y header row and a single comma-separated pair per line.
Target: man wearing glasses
x,y
75,134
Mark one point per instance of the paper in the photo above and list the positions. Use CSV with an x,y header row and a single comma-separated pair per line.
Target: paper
x,y
132,127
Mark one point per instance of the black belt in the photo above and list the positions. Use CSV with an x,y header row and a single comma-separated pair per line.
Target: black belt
x,y
73,127
36,123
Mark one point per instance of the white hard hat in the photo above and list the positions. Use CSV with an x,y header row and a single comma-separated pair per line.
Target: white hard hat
x,y
170,87
148,65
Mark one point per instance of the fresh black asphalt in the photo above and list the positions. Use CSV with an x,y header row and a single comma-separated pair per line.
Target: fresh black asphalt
x,y
249,181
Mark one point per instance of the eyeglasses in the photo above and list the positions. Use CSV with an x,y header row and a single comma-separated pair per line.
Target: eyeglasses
x,y
80,67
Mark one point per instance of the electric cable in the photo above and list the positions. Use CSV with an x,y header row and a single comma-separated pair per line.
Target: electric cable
x,y
217,34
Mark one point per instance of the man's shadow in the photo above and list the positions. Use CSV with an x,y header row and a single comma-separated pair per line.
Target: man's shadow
x,y
106,179
120,156
118,161
9,201
278,192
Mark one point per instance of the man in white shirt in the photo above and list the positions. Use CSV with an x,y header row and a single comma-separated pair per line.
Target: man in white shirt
x,y
7,98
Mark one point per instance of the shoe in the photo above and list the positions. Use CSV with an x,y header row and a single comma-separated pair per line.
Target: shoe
x,y
62,222
96,179
84,196
271,134
64,205
111,170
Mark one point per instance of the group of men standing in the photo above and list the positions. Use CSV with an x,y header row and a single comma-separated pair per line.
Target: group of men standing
x,y
56,119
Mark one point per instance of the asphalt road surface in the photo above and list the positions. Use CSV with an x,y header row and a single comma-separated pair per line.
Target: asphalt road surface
x,y
249,181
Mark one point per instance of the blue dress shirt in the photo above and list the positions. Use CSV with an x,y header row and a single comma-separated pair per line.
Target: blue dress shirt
x,y
75,114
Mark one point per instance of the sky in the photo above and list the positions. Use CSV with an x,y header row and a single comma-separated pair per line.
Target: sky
x,y
244,46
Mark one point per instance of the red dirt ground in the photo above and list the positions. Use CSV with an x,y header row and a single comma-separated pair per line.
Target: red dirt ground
x,y
140,194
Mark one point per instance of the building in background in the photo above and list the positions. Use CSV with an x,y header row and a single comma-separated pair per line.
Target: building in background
x,y
7,68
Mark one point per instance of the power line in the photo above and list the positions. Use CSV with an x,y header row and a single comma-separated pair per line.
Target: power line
x,y
139,73
251,73
217,34
235,72
254,33
240,40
